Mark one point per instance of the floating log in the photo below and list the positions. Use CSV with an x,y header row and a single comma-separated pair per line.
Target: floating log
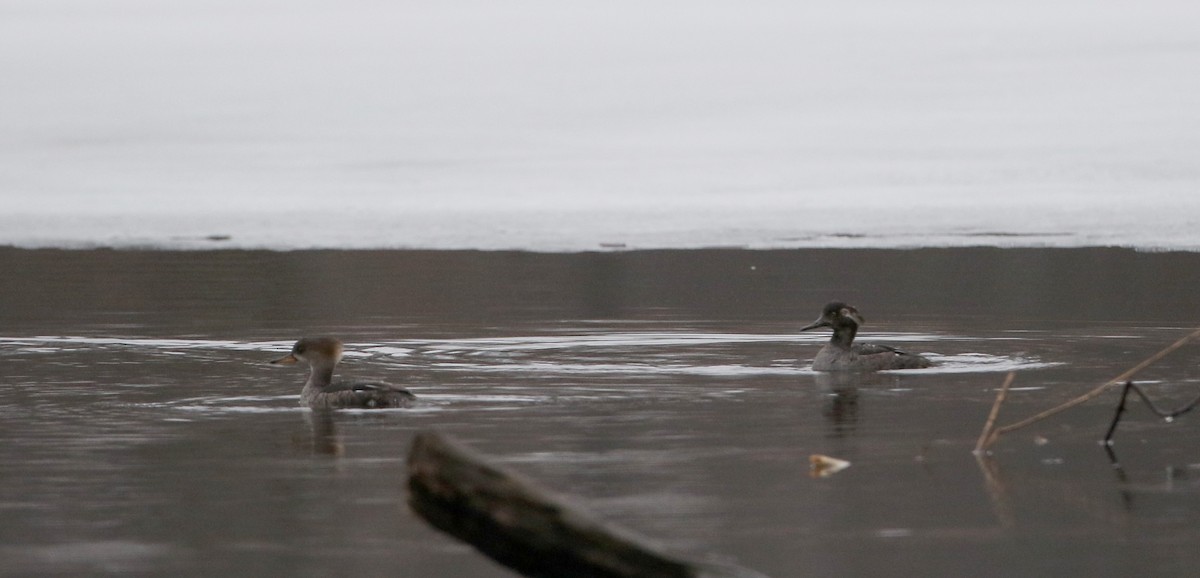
x,y
527,528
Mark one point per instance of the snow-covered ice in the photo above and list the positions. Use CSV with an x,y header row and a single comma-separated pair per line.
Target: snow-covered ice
x,y
561,126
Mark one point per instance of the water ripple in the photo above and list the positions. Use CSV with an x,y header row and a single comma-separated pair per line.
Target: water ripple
x,y
979,363
732,355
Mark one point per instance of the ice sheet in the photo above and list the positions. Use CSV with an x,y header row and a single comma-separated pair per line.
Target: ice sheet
x,y
599,125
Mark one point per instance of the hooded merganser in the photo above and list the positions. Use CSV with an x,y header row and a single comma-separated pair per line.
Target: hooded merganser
x,y
840,354
321,392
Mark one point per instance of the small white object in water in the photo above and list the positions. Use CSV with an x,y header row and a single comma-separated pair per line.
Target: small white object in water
x,y
825,466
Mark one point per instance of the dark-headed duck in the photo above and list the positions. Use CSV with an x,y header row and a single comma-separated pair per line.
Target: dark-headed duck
x,y
842,354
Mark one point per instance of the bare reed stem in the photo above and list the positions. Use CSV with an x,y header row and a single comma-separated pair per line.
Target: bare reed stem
x,y
1091,394
986,436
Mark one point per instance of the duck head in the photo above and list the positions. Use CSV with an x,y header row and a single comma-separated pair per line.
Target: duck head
x,y
837,315
316,351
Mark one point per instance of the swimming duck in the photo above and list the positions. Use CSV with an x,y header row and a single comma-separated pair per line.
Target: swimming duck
x,y
841,354
321,392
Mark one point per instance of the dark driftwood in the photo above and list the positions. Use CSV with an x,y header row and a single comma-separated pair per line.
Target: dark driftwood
x,y
526,528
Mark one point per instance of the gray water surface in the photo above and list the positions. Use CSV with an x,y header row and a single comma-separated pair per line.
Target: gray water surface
x,y
143,431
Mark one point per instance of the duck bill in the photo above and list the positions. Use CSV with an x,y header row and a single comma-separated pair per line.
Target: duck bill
x,y
816,324
288,359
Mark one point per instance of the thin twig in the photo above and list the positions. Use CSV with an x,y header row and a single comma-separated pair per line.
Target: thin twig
x,y
1112,427
1093,393
991,419
1163,413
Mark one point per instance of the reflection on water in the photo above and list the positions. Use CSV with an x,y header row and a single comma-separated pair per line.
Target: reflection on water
x,y
149,435
325,438
841,407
